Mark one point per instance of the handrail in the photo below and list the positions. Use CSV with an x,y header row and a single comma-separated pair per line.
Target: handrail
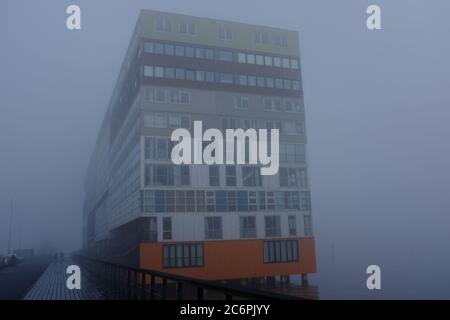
x,y
228,290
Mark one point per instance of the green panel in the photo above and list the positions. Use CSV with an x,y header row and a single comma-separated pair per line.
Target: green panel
x,y
207,33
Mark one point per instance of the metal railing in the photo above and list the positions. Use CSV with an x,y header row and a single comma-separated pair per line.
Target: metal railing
x,y
120,282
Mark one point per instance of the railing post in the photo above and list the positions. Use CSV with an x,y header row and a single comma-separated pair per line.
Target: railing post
x,y
199,293
164,291
143,285
152,287
179,290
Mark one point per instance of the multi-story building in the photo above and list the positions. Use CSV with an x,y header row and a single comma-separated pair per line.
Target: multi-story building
x,y
205,221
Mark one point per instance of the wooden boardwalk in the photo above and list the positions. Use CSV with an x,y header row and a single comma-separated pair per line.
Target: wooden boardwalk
x,y
52,285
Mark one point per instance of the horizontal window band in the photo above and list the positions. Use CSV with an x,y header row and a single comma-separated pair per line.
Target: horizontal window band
x,y
217,86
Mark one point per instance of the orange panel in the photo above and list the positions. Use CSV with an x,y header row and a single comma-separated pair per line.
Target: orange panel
x,y
233,259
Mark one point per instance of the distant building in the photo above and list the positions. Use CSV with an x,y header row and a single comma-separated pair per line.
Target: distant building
x,y
209,222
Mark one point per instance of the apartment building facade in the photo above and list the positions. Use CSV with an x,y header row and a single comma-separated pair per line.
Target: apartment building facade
x,y
214,222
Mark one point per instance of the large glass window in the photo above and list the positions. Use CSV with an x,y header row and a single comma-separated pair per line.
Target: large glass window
x,y
230,176
167,228
280,251
182,255
225,55
248,227
226,77
242,57
213,227
292,226
308,225
155,120
214,176
272,226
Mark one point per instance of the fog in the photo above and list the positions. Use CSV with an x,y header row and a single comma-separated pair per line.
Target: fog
x,y
377,108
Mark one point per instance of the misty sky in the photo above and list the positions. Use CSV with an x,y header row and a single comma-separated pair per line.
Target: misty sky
x,y
377,108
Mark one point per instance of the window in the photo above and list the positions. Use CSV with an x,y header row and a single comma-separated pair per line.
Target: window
x,y
292,153
169,73
279,83
189,52
225,33
278,106
269,83
241,102
242,80
150,94
149,47
280,41
272,226
190,75
241,57
230,176
259,60
214,176
308,225
167,175
295,85
156,148
199,53
293,127
248,124
213,227
268,104
180,74
159,72
209,54
179,51
285,63
179,121
293,177
210,201
226,78
200,75
280,251
251,58
242,201
292,226
287,84
200,200
268,61
169,49
221,201
251,81
250,176
148,71
167,228
294,63
163,25
187,28
288,106
261,38
231,201
261,82
159,48
155,120
148,201
305,201
225,55
182,255
248,227
277,61
209,76
185,97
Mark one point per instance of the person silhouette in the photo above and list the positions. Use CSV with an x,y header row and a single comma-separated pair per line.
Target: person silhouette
x,y
61,256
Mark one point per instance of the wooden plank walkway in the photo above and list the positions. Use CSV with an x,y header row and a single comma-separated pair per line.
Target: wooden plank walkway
x,y
52,285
